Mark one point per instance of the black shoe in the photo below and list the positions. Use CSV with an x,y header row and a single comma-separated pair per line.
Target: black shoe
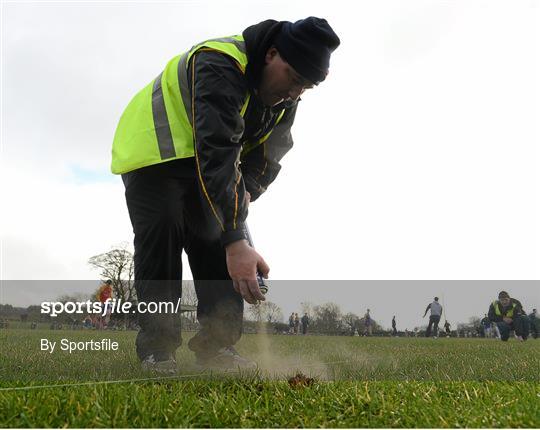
x,y
163,365
226,359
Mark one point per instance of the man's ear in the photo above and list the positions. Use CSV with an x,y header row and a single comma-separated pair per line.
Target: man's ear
x,y
270,54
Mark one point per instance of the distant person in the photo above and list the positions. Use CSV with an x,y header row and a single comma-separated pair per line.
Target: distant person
x,y
533,321
394,329
508,314
447,328
436,312
479,331
368,324
486,326
87,324
296,324
305,323
291,323
105,293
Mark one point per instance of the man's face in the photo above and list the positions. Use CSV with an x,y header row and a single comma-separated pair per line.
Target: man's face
x,y
505,301
280,81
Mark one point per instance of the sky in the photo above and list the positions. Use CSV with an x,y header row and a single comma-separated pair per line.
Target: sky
x,y
417,158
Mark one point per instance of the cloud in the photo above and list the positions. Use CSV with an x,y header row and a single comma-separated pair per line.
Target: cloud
x,y
64,223
416,159
25,259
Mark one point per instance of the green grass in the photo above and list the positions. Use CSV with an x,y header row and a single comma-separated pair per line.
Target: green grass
x,y
375,382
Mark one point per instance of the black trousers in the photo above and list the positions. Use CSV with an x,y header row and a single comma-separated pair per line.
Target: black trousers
x,y
520,325
169,215
433,322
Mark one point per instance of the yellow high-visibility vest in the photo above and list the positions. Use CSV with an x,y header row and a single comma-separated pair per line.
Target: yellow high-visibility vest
x,y
498,312
157,124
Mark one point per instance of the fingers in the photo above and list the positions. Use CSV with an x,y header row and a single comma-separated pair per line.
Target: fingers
x,y
255,290
242,269
245,292
249,290
263,268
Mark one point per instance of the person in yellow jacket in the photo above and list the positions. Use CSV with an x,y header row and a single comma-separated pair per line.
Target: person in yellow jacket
x,y
194,148
508,314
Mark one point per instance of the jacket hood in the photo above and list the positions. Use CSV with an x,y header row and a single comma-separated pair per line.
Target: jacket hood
x,y
259,38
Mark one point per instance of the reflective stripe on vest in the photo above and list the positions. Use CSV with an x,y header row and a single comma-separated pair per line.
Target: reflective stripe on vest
x,y
157,124
498,312
163,131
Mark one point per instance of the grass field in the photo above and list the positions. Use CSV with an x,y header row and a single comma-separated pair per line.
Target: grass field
x,y
359,382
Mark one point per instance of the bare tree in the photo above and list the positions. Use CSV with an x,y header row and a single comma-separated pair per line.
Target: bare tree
x,y
256,312
117,265
266,311
272,312
327,318
351,321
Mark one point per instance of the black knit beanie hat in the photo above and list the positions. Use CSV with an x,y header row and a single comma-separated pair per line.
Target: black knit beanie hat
x,y
504,295
306,45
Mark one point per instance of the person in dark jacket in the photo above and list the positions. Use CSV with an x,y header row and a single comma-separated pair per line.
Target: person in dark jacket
x,y
305,323
533,320
296,324
199,203
486,326
394,329
368,324
508,314
447,328
291,323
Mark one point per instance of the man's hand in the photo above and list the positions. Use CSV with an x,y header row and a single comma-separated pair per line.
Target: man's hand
x,y
507,320
242,263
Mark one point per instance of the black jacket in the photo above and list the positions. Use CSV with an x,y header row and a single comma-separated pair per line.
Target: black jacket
x,y
504,310
218,90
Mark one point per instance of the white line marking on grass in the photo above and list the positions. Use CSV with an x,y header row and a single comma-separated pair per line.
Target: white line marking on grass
x,y
157,378
120,381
